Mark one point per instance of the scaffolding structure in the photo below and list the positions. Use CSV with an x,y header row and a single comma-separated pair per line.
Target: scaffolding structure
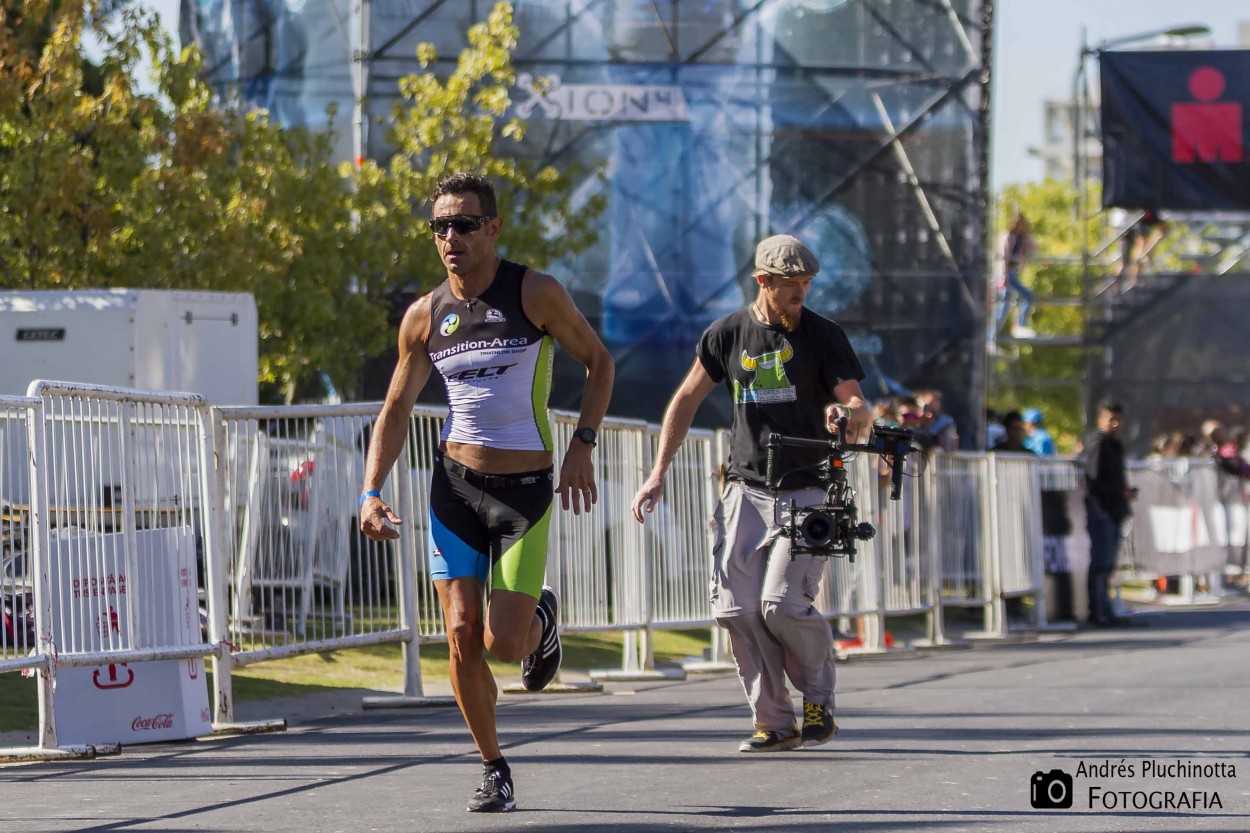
x,y
860,126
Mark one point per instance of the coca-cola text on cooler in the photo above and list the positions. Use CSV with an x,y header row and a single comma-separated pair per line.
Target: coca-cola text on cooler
x,y
160,721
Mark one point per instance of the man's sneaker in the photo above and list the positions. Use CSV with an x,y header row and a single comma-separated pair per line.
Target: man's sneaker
x,y
495,795
818,725
766,740
540,667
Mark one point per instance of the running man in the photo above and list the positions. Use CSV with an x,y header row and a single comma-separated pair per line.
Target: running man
x,y
490,329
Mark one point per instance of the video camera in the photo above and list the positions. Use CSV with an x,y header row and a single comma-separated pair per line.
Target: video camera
x,y
831,528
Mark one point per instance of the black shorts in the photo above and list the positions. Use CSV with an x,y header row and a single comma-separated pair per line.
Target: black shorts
x,y
494,523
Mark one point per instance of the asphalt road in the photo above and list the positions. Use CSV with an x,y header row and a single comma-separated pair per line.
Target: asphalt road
x,y
945,740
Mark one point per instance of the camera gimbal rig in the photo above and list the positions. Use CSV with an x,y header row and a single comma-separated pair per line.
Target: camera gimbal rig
x,y
831,528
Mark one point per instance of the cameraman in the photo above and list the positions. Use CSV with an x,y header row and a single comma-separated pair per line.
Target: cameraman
x,y
789,371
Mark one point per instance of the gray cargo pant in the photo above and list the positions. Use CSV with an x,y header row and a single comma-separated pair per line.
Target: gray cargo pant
x,y
763,598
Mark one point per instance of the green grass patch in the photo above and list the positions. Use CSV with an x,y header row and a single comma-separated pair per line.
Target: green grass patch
x,y
376,667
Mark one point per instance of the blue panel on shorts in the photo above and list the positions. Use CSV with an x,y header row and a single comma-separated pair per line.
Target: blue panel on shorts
x,y
452,558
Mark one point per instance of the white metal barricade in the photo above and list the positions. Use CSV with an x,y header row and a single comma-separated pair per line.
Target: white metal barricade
x,y
678,545
276,528
123,503
1016,521
1184,524
595,560
964,534
302,578
19,645
962,484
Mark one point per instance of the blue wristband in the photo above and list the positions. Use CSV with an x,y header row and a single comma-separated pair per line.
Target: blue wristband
x,y
371,493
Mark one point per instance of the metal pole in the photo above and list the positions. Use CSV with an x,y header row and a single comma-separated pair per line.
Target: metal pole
x,y
41,544
361,56
1078,125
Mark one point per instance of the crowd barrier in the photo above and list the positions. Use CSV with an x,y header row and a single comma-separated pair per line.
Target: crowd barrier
x,y
1189,522
92,479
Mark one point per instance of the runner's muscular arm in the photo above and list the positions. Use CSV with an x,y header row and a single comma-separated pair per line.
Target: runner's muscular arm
x,y
550,307
412,371
678,417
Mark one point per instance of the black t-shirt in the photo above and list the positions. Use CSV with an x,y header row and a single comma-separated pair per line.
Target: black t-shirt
x,y
781,383
1105,478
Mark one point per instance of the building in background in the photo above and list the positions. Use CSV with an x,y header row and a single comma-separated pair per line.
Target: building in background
x,y
861,128
1056,151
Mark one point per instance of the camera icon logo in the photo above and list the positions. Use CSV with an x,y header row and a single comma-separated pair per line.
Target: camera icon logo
x,y
1050,790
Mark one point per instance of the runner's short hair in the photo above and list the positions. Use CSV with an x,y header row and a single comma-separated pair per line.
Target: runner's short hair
x,y
467,182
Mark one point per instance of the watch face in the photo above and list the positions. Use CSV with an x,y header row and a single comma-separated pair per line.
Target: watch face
x,y
586,435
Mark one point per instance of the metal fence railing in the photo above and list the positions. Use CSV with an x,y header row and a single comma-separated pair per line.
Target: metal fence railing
x,y
18,578
97,483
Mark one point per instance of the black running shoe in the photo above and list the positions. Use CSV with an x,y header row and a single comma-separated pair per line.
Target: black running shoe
x,y
495,795
540,667
818,725
765,740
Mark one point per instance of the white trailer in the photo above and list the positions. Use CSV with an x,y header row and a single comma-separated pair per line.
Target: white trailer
x,y
154,339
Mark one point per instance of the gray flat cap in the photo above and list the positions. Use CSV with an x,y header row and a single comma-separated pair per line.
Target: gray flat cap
x,y
785,256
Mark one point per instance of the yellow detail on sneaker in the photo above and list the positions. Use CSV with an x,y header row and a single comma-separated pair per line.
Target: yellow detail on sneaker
x,y
765,740
818,725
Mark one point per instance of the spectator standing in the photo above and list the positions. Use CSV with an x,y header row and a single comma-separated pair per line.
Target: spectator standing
x,y
1038,439
1107,497
1014,435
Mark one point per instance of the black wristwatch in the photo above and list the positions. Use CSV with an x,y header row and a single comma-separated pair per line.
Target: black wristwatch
x,y
586,435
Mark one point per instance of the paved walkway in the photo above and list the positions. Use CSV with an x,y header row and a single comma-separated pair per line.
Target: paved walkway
x,y
930,741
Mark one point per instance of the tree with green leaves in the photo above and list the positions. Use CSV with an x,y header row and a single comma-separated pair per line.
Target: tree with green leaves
x,y
103,186
165,190
459,123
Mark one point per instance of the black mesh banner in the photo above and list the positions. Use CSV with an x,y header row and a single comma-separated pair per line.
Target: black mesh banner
x,y
1174,127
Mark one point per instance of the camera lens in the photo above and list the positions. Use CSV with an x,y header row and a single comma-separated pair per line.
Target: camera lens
x,y
817,530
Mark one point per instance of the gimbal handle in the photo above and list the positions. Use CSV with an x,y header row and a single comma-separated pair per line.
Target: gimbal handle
x,y
837,448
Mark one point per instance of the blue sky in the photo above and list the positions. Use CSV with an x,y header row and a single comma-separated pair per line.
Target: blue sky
x,y
1035,54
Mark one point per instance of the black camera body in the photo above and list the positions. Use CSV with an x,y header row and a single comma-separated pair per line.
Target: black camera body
x,y
826,529
832,527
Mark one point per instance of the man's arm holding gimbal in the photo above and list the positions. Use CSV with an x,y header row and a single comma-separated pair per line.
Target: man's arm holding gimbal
x,y
677,420
849,402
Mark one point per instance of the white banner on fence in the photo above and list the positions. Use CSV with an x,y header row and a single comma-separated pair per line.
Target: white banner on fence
x,y
108,601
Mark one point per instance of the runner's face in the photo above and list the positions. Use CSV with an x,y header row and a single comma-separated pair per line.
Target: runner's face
x,y
463,253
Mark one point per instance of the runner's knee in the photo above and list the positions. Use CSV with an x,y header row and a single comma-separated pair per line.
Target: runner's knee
x,y
509,647
465,638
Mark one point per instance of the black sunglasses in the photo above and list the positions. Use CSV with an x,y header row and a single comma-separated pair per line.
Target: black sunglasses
x,y
462,223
